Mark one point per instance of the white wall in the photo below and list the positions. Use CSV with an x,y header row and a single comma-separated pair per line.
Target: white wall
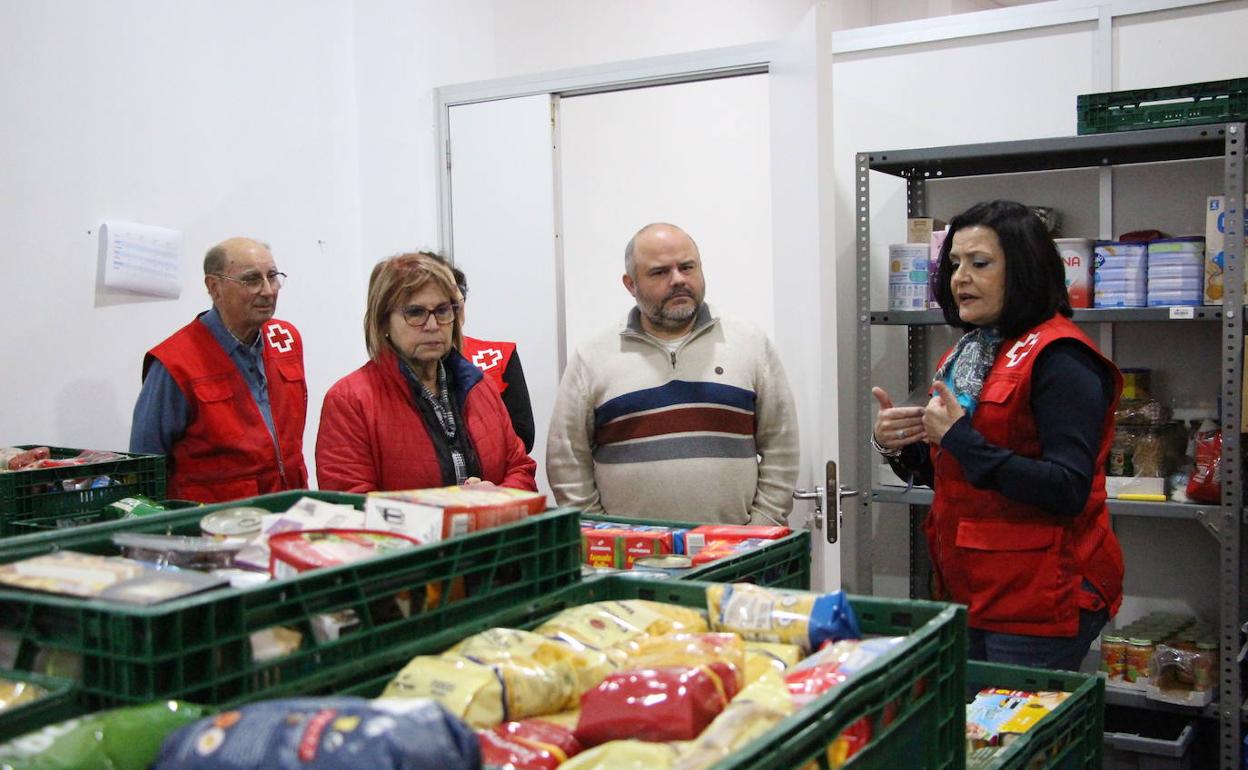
x,y
214,118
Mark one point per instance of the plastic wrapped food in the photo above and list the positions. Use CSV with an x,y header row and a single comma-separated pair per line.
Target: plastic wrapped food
x,y
761,657
17,459
324,734
121,739
197,553
833,665
625,755
615,626
656,704
754,711
691,650
499,645
763,615
485,694
14,693
533,744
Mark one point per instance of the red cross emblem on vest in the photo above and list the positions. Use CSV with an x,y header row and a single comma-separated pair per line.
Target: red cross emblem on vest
x,y
487,358
1021,350
280,338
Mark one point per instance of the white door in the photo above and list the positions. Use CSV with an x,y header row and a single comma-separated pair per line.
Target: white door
x,y
503,237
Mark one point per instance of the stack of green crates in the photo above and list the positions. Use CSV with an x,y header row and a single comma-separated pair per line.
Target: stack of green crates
x,y
782,563
35,499
1216,101
198,648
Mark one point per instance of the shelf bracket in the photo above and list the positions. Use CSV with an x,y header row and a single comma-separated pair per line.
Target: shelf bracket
x,y
1209,519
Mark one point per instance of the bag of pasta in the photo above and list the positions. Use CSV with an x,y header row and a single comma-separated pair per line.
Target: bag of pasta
x,y
763,615
525,648
762,657
615,626
625,755
756,709
485,694
533,744
691,650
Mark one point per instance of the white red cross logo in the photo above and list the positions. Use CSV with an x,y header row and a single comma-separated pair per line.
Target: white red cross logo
x,y
486,359
286,341
1020,350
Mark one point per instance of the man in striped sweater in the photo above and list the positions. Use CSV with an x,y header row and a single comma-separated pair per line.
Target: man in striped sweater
x,y
682,413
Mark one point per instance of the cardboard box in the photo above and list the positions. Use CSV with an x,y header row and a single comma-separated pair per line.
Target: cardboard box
x,y
1116,486
1215,246
920,229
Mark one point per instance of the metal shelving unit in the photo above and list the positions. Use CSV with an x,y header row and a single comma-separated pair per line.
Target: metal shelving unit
x,y
1225,522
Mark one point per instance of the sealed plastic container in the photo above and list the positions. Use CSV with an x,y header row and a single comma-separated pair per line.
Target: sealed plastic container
x,y
1076,256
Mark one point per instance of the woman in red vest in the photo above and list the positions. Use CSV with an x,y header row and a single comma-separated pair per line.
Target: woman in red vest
x,y
1014,441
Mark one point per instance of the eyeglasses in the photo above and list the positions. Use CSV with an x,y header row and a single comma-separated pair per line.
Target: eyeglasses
x,y
254,282
415,315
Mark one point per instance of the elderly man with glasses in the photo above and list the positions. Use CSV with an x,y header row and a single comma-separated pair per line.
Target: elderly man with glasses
x,y
224,398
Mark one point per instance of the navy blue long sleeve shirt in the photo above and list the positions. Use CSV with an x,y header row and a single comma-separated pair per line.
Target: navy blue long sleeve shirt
x,y
1071,390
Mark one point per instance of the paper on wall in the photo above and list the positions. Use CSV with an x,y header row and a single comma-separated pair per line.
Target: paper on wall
x,y
142,258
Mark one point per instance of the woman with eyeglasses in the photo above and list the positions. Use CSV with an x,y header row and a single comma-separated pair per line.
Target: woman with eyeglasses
x,y
418,414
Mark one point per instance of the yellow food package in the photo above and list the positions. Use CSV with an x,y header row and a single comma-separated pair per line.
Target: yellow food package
x,y
689,650
613,626
761,615
761,657
16,693
499,645
485,694
624,755
754,711
566,719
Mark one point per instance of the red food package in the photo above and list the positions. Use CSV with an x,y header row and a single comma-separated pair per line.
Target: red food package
x,y
808,683
531,744
698,537
670,703
1205,484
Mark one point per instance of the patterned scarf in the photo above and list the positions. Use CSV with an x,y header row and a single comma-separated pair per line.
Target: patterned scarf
x,y
964,371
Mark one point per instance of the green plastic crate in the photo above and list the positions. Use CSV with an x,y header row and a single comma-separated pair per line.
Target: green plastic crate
x,y
1217,101
918,688
1069,737
784,563
64,521
37,494
198,648
59,704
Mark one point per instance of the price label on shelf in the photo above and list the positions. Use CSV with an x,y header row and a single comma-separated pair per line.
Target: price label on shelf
x,y
1182,313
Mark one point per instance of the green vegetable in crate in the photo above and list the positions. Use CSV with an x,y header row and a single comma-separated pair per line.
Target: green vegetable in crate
x,y
121,739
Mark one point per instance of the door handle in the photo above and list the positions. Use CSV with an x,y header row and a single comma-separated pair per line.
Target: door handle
x,y
816,494
819,495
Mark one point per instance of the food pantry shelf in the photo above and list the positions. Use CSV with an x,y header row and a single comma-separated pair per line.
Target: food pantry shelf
x,y
1184,511
1082,315
1123,696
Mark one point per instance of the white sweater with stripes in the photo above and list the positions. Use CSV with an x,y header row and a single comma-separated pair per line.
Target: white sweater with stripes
x,y
707,433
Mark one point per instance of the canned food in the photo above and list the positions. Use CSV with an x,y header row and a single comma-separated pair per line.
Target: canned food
x,y
664,562
241,521
134,507
1139,659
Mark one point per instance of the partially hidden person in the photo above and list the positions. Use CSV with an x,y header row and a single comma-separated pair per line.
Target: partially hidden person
x,y
225,398
1013,441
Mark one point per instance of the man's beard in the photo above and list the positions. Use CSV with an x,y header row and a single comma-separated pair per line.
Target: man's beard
x,y
671,319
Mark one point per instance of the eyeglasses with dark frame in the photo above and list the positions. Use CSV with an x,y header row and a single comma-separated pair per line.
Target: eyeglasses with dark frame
x,y
254,282
416,315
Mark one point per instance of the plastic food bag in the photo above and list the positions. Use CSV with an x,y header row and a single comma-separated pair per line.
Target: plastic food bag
x,y
615,626
761,657
499,645
691,650
324,734
485,694
533,744
624,755
656,704
754,711
833,665
121,739
762,615
1205,484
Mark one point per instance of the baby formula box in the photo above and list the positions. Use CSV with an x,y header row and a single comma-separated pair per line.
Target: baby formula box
x,y
1077,257
1170,298
1215,248
907,276
1188,270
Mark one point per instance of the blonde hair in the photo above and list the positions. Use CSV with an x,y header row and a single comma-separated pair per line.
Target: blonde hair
x,y
392,280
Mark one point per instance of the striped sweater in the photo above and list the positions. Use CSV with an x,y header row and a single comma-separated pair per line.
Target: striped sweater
x,y
707,433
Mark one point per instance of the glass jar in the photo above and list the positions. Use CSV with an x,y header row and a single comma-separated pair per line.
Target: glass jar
x,y
1114,657
1205,675
1139,659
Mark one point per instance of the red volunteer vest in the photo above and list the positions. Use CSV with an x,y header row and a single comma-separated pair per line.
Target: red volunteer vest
x,y
1017,567
490,357
227,452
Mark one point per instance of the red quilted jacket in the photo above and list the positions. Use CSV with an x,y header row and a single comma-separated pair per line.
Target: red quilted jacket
x,y
373,436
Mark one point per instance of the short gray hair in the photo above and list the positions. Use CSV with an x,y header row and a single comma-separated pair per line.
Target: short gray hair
x,y
217,256
629,265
